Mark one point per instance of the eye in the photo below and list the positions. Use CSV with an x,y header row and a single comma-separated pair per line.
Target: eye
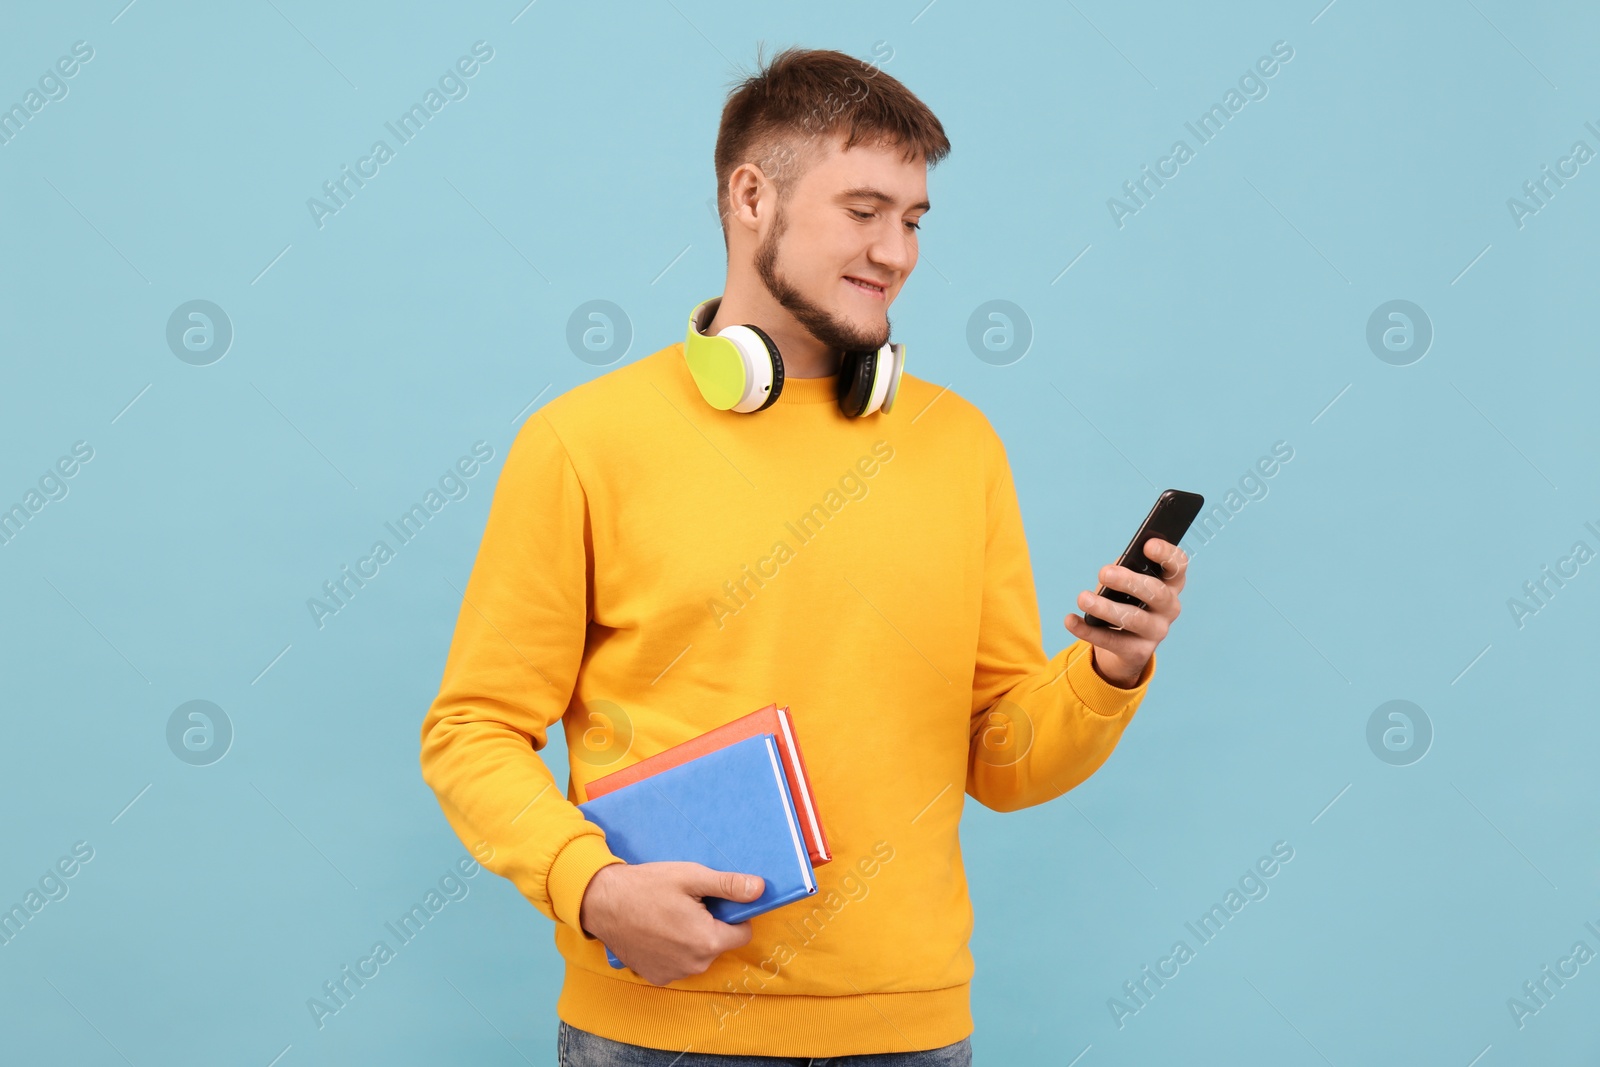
x,y
914,225
861,214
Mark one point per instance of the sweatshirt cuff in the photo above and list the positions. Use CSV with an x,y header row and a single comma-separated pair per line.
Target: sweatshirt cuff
x,y
1099,695
570,874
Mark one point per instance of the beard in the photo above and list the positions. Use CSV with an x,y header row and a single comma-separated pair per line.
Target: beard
x,y
826,327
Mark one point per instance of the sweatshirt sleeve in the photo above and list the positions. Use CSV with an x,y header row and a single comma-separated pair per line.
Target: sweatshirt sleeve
x,y
1039,726
513,661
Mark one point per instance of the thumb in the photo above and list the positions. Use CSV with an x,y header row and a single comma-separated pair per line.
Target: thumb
x,y
729,885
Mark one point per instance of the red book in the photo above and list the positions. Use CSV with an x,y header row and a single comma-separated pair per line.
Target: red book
x,y
769,720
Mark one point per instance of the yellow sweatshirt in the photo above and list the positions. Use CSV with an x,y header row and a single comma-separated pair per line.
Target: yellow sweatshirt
x,y
651,568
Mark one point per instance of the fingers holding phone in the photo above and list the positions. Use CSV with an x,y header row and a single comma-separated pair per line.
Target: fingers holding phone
x,y
1138,597
1131,601
1173,561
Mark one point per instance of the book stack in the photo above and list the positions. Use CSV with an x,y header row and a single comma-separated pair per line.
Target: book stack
x,y
736,798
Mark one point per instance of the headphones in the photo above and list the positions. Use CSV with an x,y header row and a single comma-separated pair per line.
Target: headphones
x,y
739,368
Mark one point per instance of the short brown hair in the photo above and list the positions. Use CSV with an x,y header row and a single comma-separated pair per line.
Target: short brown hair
x,y
805,94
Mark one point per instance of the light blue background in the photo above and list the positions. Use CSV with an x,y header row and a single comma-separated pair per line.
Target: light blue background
x,y
431,313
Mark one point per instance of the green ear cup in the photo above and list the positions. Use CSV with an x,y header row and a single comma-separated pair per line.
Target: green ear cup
x,y
738,369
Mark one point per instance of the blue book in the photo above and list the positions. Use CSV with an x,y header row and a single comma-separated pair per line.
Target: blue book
x,y
729,809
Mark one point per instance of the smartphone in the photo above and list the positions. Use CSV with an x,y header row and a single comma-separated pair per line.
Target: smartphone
x,y
1169,520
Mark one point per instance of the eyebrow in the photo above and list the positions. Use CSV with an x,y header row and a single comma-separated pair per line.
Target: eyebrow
x,y
867,192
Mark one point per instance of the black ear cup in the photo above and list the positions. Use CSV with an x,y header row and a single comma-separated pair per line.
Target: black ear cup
x,y
854,388
777,365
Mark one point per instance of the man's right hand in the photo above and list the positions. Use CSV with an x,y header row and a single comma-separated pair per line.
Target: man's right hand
x,y
650,916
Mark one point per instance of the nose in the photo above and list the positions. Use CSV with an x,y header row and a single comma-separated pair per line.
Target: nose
x,y
894,251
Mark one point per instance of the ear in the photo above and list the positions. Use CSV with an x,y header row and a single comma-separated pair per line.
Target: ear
x,y
750,195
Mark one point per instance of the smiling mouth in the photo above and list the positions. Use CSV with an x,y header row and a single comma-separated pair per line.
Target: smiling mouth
x,y
867,287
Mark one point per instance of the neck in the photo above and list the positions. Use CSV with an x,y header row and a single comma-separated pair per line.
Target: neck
x,y
746,300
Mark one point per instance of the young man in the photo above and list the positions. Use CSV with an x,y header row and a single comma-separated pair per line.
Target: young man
x,y
654,566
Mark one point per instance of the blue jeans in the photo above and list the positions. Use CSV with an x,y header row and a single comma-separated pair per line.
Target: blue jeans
x,y
580,1048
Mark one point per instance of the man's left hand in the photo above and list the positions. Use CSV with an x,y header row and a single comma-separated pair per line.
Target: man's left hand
x,y
1119,656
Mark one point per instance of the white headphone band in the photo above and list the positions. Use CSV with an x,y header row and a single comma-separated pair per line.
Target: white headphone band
x,y
888,356
757,366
